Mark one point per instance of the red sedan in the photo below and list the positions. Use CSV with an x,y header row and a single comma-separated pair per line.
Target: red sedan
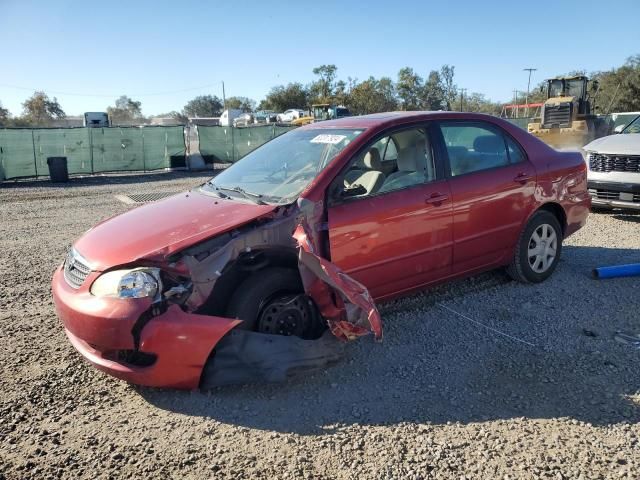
x,y
253,275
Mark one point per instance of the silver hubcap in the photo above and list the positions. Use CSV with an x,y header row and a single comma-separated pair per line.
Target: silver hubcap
x,y
543,245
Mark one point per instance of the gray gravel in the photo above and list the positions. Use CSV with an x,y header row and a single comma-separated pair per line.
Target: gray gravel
x,y
441,397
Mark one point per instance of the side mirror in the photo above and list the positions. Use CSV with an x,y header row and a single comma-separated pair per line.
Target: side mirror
x,y
353,191
619,129
595,85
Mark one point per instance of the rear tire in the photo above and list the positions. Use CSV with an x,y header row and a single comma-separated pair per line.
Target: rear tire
x,y
538,249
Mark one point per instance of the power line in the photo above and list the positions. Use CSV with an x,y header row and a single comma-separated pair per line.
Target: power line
x,y
57,92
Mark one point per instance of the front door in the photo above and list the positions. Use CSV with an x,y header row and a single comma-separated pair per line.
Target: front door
x,y
391,228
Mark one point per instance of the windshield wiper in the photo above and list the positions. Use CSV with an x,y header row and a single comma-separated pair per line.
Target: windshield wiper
x,y
216,189
255,197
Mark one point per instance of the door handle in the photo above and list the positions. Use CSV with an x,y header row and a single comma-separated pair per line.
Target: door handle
x,y
522,178
436,199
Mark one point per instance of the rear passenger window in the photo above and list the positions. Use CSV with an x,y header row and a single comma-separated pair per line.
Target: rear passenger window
x,y
472,148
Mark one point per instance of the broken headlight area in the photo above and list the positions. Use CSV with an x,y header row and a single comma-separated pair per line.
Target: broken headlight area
x,y
133,283
142,283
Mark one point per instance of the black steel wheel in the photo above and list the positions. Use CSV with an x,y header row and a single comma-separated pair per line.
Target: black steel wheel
x,y
273,301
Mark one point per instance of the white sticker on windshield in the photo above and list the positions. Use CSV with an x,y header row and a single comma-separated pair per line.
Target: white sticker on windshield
x,y
326,138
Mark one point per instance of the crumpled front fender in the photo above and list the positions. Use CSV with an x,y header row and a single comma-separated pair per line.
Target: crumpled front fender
x,y
359,316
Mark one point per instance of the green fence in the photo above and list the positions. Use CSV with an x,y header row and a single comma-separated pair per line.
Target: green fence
x,y
227,144
24,152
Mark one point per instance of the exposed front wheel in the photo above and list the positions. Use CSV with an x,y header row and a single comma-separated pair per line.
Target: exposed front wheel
x,y
538,250
272,301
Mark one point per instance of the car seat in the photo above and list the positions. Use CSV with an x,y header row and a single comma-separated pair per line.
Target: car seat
x,y
371,178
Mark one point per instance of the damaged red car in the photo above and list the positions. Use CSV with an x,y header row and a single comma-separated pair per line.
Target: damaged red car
x,y
256,274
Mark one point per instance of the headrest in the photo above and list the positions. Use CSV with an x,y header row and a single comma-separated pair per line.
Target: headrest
x,y
372,159
407,161
489,144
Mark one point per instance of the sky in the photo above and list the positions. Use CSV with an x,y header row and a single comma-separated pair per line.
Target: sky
x,y
165,53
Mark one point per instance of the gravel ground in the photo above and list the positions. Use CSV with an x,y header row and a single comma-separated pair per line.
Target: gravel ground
x,y
441,397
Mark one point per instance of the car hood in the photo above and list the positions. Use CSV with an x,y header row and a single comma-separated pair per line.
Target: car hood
x,y
156,230
621,144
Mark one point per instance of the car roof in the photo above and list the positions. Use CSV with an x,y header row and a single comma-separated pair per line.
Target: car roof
x,y
391,118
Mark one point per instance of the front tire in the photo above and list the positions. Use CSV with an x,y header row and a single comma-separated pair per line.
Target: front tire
x,y
272,301
538,250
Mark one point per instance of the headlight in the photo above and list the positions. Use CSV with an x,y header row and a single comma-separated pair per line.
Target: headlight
x,y
137,283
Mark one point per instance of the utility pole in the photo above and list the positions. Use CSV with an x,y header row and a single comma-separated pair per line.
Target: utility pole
x,y
528,85
462,92
224,100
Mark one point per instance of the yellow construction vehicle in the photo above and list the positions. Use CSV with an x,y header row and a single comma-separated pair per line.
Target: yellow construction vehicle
x,y
322,111
566,119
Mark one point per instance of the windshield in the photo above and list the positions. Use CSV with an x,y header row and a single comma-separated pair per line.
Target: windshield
x,y
279,170
633,127
575,88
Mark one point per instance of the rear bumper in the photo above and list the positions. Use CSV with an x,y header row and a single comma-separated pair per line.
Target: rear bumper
x,y
100,327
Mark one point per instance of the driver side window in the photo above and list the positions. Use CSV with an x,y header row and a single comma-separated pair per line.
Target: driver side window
x,y
397,161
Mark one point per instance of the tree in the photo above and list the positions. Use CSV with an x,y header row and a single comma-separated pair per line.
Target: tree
x,y
372,96
341,94
242,103
125,111
449,88
619,88
203,106
4,116
537,94
433,97
477,102
322,89
177,116
281,98
40,110
410,89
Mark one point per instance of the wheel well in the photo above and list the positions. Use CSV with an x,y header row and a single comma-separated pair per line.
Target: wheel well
x,y
237,271
557,210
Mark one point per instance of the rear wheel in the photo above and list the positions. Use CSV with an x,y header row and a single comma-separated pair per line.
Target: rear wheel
x,y
273,301
538,250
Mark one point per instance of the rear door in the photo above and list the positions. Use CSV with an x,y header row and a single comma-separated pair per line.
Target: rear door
x,y
492,187
397,236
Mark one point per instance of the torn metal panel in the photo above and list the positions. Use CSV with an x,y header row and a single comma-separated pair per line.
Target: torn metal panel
x,y
206,267
345,303
250,357
362,316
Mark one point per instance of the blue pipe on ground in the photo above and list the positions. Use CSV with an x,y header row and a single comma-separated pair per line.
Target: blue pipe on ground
x,y
630,270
